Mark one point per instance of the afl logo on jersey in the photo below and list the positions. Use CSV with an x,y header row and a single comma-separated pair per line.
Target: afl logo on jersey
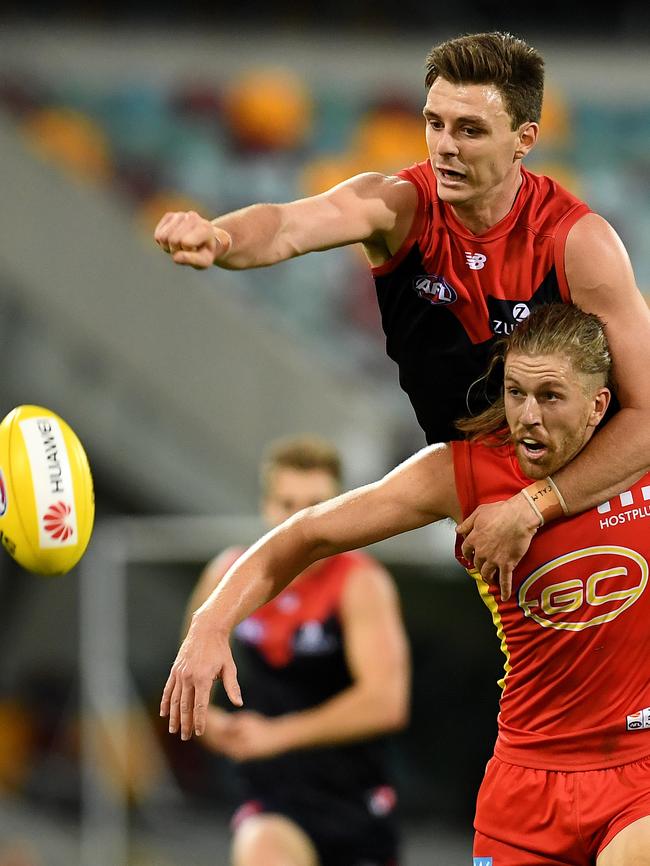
x,y
612,579
434,289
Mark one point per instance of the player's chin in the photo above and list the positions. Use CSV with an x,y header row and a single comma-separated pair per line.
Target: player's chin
x,y
534,469
454,192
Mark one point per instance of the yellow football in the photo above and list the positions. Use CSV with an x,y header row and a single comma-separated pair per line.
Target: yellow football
x,y
47,502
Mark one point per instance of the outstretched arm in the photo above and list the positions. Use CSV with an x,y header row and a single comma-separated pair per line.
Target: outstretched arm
x,y
376,701
418,492
601,280
369,208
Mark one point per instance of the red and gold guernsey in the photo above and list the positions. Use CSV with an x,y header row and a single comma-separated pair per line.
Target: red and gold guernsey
x,y
447,294
576,629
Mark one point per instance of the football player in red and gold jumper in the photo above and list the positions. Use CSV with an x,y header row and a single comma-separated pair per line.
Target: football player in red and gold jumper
x,y
569,782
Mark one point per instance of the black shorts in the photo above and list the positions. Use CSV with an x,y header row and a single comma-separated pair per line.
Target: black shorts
x,y
345,832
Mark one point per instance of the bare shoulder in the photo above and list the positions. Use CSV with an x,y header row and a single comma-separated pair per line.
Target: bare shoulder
x,y
386,186
590,231
427,481
388,204
598,267
371,208
395,197
402,196
593,243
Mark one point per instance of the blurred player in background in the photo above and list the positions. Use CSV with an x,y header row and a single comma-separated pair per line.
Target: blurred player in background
x,y
569,782
462,247
327,674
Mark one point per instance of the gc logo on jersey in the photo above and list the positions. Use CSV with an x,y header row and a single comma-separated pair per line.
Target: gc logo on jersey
x,y
555,598
434,289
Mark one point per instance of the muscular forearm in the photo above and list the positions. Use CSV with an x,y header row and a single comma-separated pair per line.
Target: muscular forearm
x,y
195,601
254,238
615,457
353,714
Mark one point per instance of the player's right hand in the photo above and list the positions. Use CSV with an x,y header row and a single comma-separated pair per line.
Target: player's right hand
x,y
203,657
191,239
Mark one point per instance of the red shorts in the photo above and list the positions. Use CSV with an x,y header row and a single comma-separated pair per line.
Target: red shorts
x,y
527,817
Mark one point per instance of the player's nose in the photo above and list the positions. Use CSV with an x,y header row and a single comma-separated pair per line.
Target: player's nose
x,y
530,412
445,143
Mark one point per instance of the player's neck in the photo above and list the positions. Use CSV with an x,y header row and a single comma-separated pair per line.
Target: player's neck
x,y
481,215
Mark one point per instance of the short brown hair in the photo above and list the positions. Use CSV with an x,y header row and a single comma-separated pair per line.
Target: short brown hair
x,y
510,64
304,453
562,329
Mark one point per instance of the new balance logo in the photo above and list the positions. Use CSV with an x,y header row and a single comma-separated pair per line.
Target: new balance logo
x,y
625,500
476,261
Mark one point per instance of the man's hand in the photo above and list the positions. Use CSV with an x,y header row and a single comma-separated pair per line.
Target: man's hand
x,y
243,736
191,239
204,656
497,535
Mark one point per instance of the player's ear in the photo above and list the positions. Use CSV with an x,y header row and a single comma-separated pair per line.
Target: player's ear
x,y
601,400
526,139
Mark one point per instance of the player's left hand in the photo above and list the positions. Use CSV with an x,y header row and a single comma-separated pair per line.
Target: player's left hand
x,y
248,736
497,535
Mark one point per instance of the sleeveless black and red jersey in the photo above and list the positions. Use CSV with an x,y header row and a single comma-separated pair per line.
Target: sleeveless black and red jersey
x,y
291,657
447,294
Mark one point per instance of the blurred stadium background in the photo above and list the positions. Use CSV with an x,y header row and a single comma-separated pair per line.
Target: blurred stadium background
x,y
175,380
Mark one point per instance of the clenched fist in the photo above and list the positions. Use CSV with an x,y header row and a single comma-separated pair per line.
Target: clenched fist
x,y
191,239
